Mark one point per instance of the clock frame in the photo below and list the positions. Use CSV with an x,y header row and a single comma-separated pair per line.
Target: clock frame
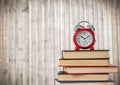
x,y
77,46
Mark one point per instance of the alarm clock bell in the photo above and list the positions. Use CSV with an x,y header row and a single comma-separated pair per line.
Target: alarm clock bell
x,y
84,37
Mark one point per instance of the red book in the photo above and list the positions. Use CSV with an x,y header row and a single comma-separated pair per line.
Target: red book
x,y
90,69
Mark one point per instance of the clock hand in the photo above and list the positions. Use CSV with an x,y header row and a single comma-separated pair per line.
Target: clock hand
x,y
87,36
82,36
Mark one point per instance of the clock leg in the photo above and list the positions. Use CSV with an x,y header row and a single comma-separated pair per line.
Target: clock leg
x,y
92,48
77,48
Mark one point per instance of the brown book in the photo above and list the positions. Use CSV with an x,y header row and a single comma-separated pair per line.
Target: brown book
x,y
84,62
62,76
91,69
108,82
72,54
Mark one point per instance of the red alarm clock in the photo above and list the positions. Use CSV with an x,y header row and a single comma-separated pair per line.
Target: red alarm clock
x,y
84,37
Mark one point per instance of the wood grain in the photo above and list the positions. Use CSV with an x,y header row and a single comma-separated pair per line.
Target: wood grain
x,y
33,34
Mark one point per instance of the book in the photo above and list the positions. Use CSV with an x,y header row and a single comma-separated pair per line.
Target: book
x,y
84,62
72,54
91,69
108,82
82,77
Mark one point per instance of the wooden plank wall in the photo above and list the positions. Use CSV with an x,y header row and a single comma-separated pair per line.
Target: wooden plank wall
x,y
34,32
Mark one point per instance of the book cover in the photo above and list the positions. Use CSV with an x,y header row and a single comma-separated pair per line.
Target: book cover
x,y
72,54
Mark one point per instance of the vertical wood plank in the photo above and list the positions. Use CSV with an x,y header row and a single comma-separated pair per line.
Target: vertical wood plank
x,y
51,42
114,37
109,22
1,41
19,43
85,11
67,24
100,24
90,11
30,42
105,25
33,39
81,10
62,24
113,15
118,37
72,22
25,22
39,57
111,53
3,52
12,24
47,41
43,39
95,23
57,35
6,43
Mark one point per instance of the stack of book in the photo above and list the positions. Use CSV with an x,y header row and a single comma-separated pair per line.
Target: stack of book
x,y
85,67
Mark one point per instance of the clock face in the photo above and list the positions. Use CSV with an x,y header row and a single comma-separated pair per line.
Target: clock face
x,y
84,38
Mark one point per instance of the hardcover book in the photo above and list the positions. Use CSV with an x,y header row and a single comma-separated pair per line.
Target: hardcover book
x,y
108,82
90,69
72,54
84,62
82,77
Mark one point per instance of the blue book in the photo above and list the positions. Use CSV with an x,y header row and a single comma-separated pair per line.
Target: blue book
x,y
108,82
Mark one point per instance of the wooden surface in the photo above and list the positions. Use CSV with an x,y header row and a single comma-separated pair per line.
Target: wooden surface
x,y
33,34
